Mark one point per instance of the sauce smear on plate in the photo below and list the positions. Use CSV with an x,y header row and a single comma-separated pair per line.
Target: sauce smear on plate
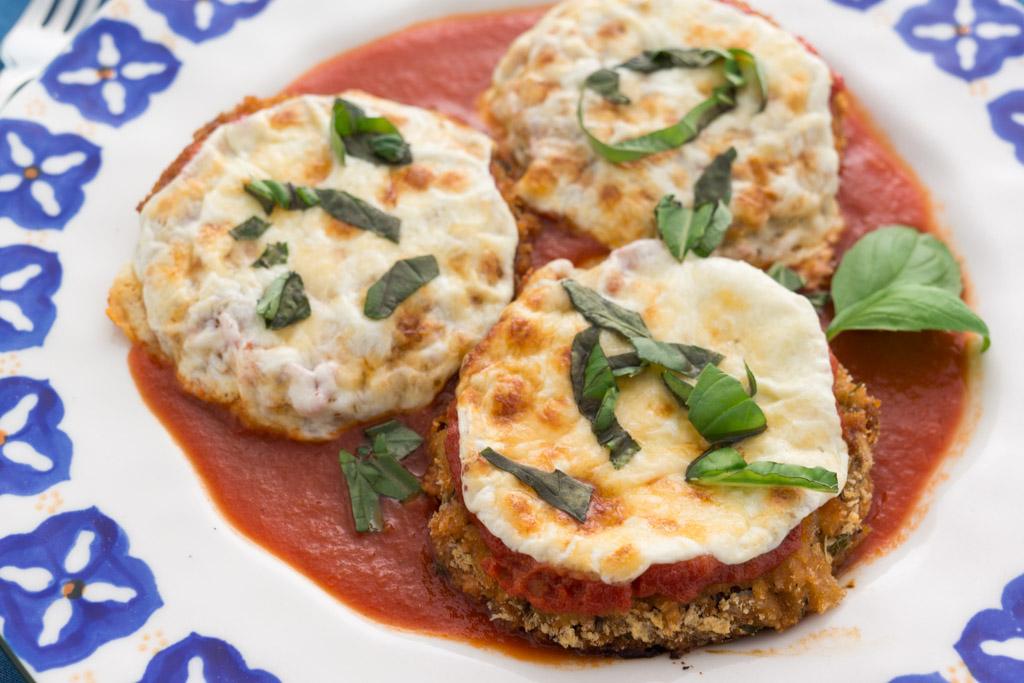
x,y
291,497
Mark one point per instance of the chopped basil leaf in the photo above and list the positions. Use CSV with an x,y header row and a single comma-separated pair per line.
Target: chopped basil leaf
x,y
249,229
274,254
721,410
751,380
371,138
596,393
650,61
683,358
605,313
626,364
270,193
398,440
365,502
715,183
557,488
284,302
605,82
727,467
387,476
702,228
350,209
740,69
398,284
896,278
787,277
679,389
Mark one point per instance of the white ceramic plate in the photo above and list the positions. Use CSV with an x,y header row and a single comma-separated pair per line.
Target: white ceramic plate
x,y
95,496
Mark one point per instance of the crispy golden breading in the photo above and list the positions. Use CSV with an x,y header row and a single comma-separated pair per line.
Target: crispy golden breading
x,y
804,583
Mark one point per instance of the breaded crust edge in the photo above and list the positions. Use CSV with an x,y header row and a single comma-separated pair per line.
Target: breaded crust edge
x,y
804,583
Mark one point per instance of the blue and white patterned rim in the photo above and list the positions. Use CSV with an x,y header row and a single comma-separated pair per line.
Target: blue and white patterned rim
x,y
72,584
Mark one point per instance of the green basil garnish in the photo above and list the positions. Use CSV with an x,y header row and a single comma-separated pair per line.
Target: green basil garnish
x,y
398,284
274,254
679,389
702,228
365,502
604,313
683,358
250,229
387,476
721,410
650,61
605,82
394,438
371,138
787,277
271,193
557,488
751,380
350,209
727,467
739,69
284,302
596,393
626,364
896,278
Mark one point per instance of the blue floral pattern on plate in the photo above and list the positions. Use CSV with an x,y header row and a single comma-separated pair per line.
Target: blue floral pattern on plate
x,y
29,277
110,72
69,587
920,678
42,174
986,642
200,20
1007,113
200,658
34,453
857,4
969,39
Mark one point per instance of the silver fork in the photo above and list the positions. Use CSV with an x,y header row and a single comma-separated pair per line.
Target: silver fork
x,y
43,30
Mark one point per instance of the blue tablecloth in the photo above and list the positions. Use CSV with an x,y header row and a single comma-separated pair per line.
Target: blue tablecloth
x,y
9,12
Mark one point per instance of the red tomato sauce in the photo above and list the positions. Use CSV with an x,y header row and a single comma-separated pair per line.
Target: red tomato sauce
x,y
291,498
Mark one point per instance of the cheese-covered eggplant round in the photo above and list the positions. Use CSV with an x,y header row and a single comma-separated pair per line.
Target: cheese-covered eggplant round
x,y
515,396
785,177
338,366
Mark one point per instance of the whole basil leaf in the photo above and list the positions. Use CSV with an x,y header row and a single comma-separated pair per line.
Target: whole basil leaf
x,y
364,500
898,279
398,440
557,488
400,282
893,255
721,410
284,302
250,229
787,277
596,394
605,82
725,466
604,313
357,213
274,254
685,359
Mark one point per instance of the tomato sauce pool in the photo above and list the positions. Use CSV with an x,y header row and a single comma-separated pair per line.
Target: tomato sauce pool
x,y
291,498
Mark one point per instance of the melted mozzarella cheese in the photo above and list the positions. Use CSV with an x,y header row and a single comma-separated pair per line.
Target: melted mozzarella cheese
x,y
338,367
786,173
515,396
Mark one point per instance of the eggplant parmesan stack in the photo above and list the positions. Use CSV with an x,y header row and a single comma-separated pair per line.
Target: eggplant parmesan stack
x,y
651,455
605,106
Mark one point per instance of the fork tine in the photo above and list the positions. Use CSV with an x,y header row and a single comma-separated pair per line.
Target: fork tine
x,y
61,13
34,15
86,10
